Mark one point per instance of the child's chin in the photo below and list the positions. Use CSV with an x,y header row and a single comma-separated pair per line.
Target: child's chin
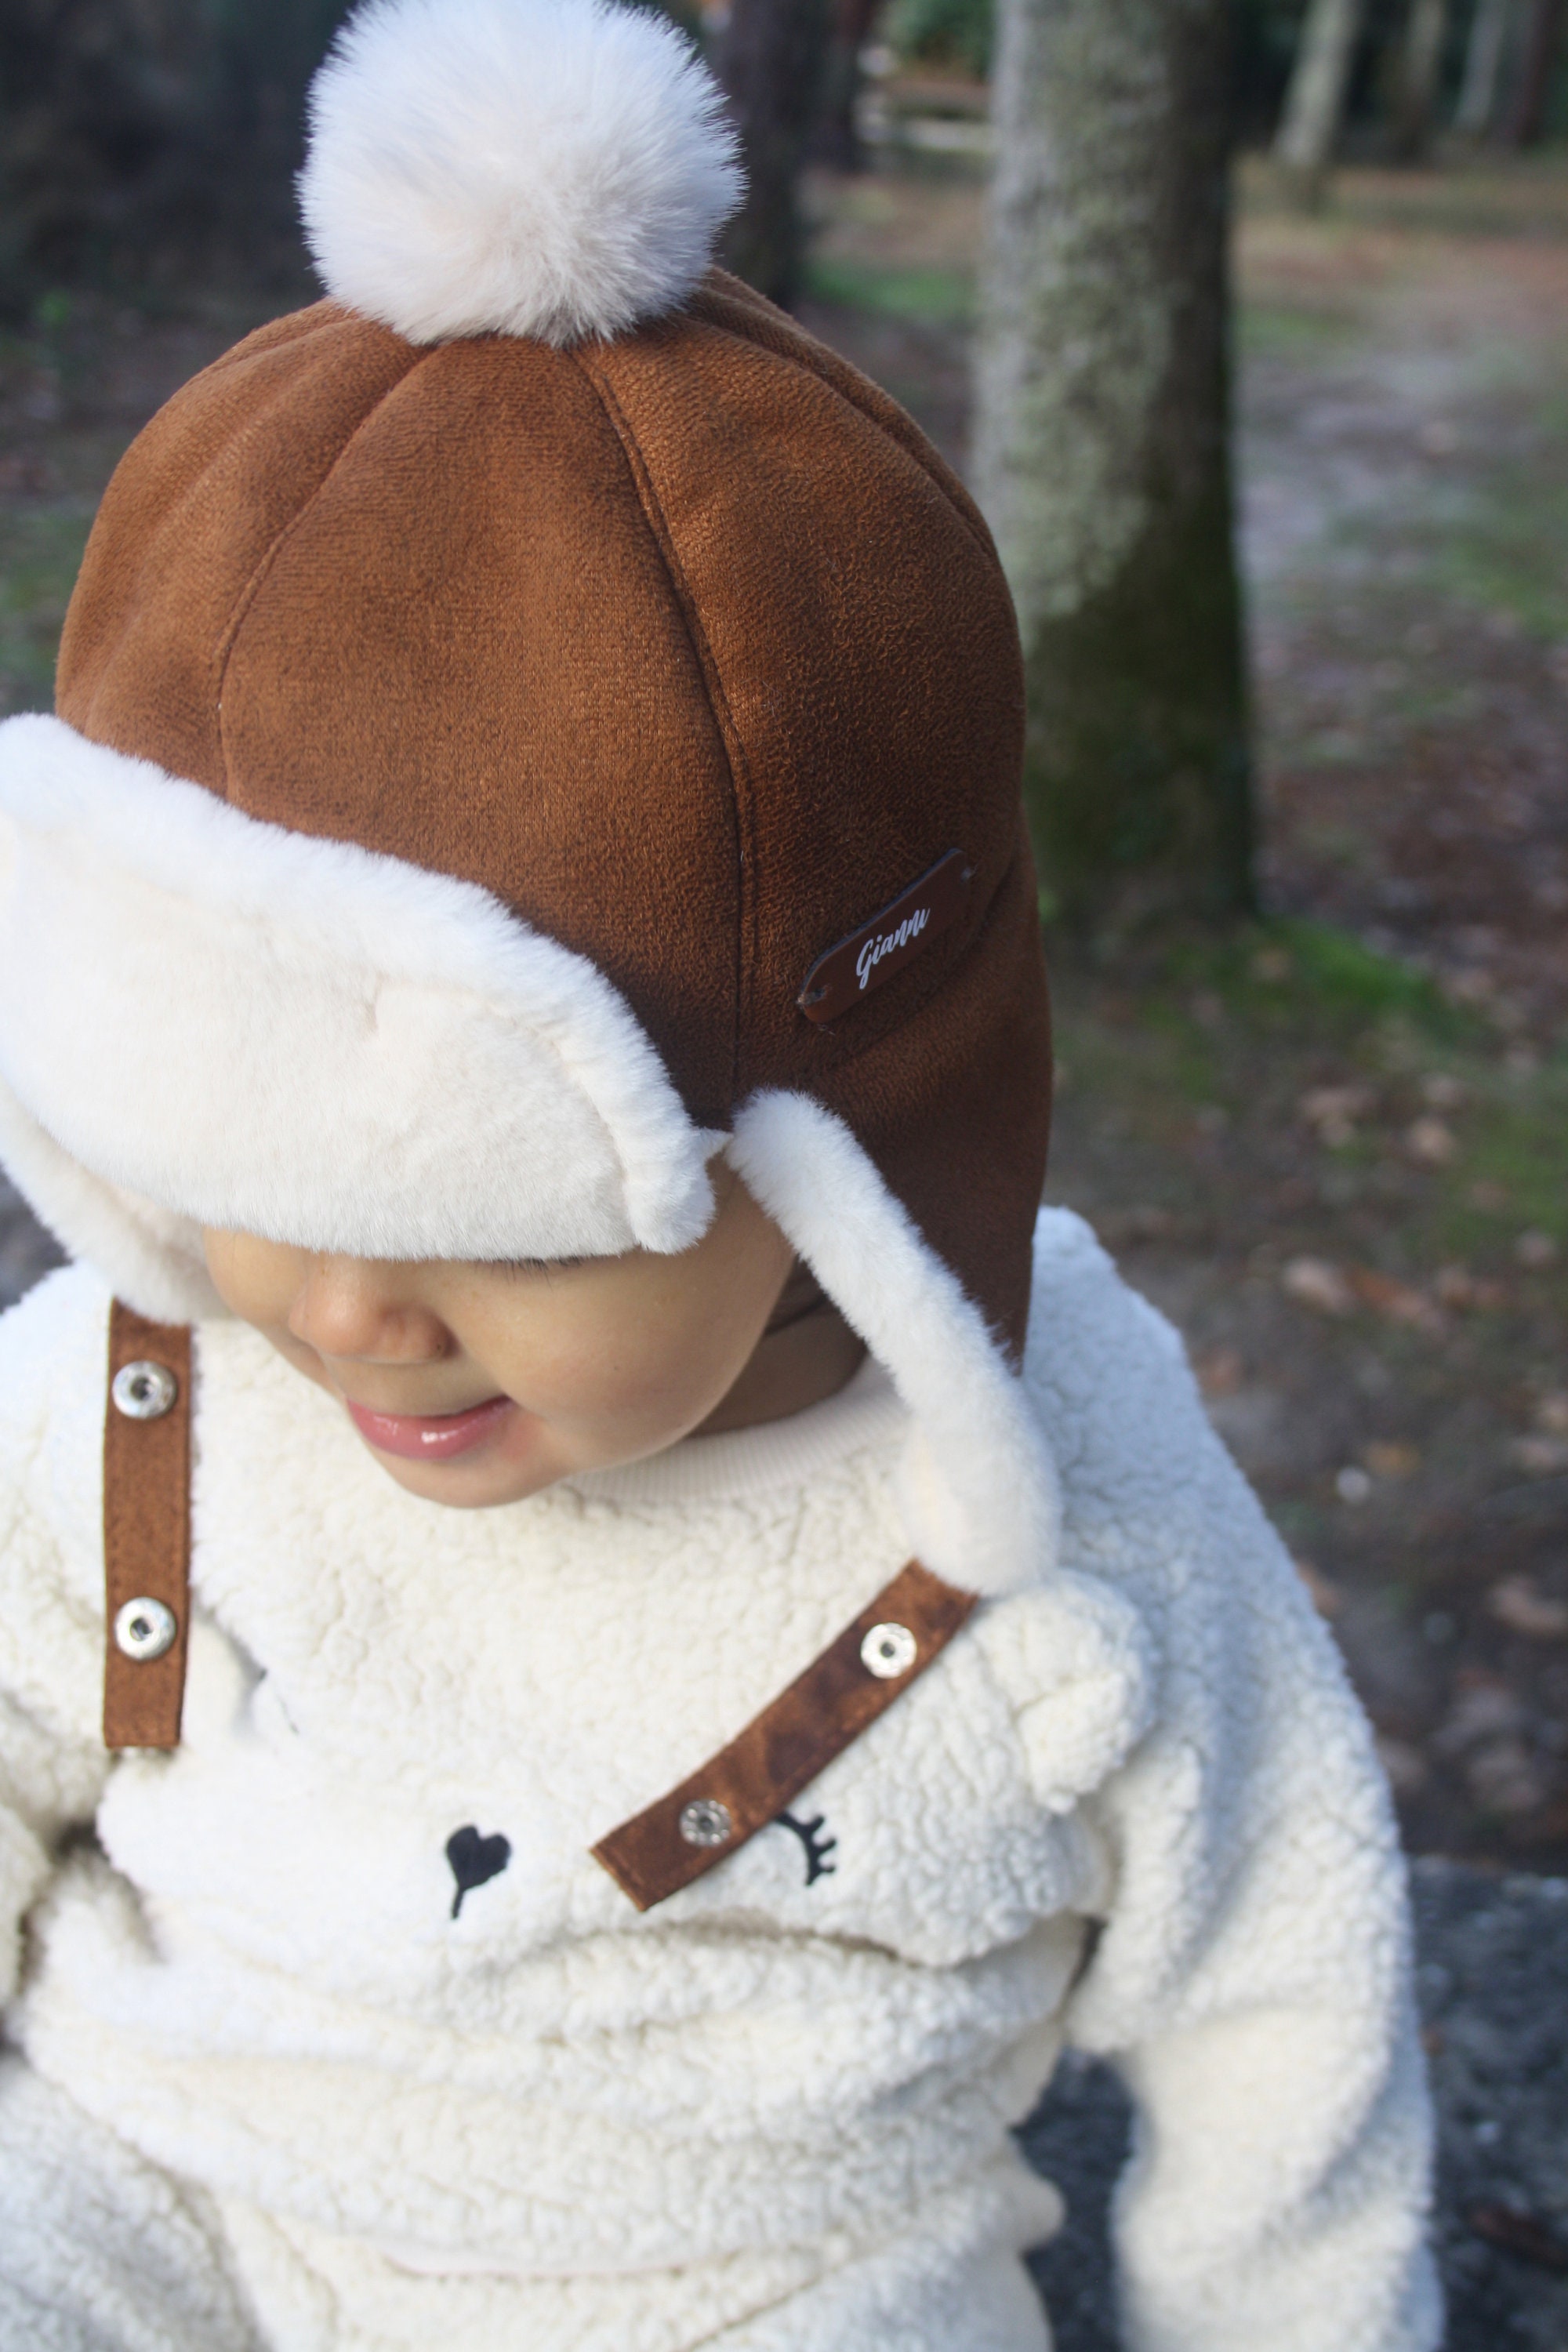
x,y
466,1487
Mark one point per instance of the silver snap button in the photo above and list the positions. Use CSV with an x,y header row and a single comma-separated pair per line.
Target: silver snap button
x,y
144,1630
144,1391
889,1651
706,1822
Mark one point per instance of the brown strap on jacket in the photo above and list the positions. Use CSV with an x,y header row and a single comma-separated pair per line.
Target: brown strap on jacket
x,y
147,1554
749,1783
146,1529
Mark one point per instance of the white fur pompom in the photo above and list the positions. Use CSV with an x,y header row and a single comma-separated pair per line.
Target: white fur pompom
x,y
550,168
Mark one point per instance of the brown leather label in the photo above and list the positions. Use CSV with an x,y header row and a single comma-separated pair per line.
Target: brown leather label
x,y
749,1783
843,974
146,1531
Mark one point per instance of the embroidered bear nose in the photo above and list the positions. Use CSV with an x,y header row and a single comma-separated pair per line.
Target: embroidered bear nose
x,y
474,1859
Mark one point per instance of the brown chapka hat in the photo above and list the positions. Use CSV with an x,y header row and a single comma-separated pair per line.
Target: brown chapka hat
x,y
529,723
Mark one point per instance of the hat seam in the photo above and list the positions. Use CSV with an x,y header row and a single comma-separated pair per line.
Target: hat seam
x,y
747,895
223,653
717,282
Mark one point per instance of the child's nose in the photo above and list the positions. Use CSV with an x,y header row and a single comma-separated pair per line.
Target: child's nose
x,y
354,1308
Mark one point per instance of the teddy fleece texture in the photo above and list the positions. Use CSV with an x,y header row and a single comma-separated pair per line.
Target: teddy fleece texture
x,y
292,2076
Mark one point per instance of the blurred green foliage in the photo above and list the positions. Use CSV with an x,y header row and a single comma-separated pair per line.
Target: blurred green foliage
x,y
955,33
40,550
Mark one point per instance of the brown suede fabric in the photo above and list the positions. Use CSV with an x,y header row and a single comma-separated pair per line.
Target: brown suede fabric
x,y
781,1750
687,645
146,1534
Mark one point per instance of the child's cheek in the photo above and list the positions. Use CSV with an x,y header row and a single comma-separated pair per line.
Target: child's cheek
x,y
584,1368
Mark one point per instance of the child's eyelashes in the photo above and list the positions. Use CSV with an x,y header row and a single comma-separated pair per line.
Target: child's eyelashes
x,y
536,1264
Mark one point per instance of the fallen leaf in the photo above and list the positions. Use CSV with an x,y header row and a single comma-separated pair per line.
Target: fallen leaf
x,y
1405,1765
1505,1777
1535,1250
1540,1457
1335,1110
1520,2233
1430,1140
1388,1458
1487,1195
1442,1092
1519,1603
1317,1283
1552,1413
1399,1302
1220,1371
1457,1286
1484,1709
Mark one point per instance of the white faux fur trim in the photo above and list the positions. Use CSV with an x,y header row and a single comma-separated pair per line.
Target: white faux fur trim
x,y
977,1487
551,168
254,1029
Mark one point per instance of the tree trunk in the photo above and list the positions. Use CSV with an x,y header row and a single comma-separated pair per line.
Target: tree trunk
x,y
1316,97
1102,449
1527,114
1420,63
770,59
1477,106
839,136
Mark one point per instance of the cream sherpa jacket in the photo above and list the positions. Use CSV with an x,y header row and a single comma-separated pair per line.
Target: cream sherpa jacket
x,y
287,2078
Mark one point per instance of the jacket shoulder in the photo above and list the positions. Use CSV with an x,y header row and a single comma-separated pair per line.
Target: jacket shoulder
x,y
1107,1373
1152,1500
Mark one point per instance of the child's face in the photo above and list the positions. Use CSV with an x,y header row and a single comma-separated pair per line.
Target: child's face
x,y
475,1384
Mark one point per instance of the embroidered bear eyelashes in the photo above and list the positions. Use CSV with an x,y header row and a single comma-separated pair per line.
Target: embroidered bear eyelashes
x,y
475,1859
815,1847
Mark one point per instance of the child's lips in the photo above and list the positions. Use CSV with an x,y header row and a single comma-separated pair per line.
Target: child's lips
x,y
430,1437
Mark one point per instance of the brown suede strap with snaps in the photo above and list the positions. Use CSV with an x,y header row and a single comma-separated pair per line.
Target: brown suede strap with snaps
x,y
146,1529
749,1783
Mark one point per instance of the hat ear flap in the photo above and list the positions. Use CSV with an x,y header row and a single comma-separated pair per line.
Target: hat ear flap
x,y
977,1486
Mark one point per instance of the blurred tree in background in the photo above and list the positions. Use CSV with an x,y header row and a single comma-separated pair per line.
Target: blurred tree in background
x,y
148,143
771,57
1315,101
1102,449
145,140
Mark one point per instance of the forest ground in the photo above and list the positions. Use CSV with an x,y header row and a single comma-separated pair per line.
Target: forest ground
x,y
1331,1147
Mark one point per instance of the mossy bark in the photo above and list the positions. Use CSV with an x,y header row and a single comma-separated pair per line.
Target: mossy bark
x,y
1102,450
